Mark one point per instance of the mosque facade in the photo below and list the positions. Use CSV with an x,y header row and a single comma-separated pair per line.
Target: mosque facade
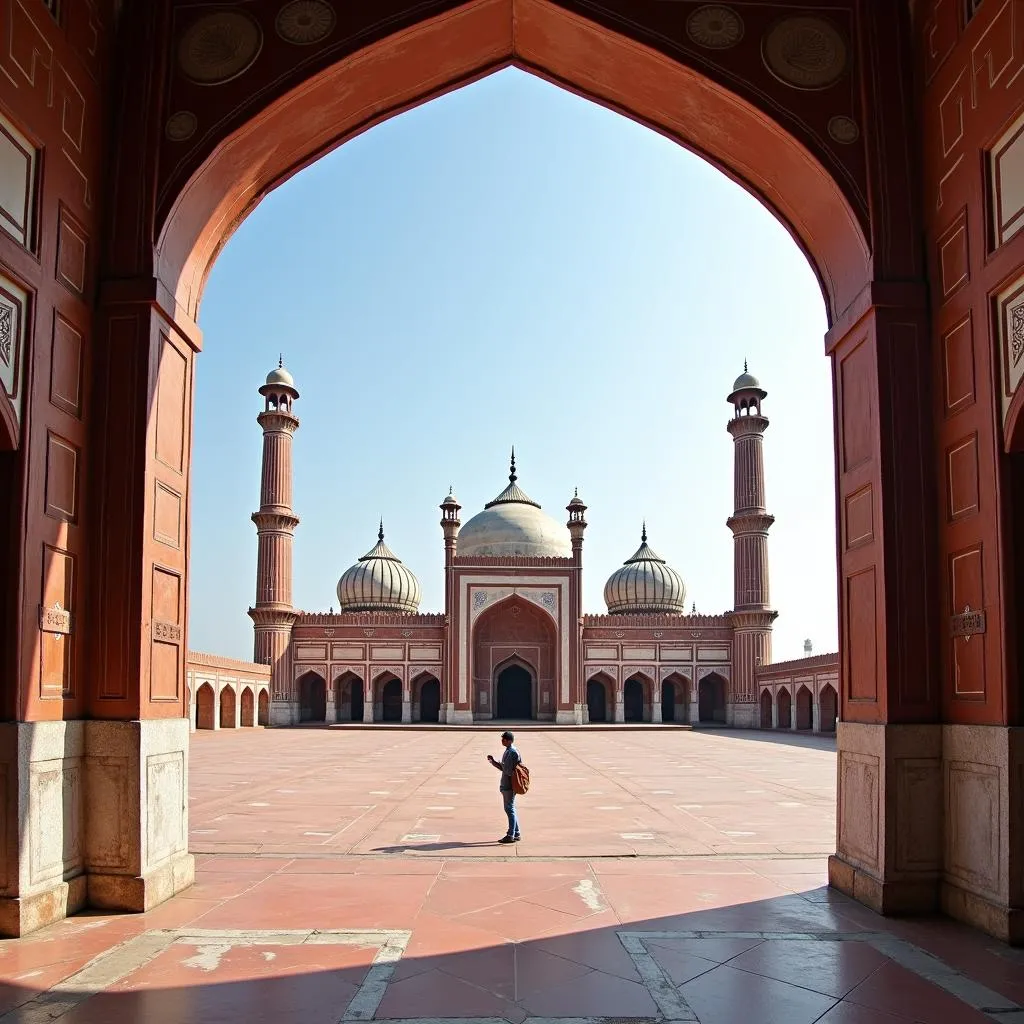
x,y
514,641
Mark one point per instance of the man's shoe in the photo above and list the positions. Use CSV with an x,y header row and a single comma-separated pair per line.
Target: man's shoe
x,y
515,839
506,839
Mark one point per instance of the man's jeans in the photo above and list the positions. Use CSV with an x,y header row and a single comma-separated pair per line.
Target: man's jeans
x,y
509,799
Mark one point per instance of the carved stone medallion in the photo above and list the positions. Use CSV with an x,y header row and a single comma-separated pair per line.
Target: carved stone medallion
x,y
219,46
715,26
304,22
181,126
843,129
807,53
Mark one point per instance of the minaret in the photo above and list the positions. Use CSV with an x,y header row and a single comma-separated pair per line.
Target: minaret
x,y
750,522
577,686
450,525
273,613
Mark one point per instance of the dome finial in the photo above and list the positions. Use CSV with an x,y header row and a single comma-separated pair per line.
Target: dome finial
x,y
575,492
643,533
745,370
280,360
380,532
512,468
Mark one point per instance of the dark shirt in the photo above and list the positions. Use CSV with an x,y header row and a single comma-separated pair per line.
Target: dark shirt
x,y
509,760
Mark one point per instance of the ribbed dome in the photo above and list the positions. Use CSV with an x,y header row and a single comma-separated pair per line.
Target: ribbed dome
x,y
379,582
513,524
645,583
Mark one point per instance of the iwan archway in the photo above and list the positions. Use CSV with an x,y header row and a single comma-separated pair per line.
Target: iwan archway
x,y
830,161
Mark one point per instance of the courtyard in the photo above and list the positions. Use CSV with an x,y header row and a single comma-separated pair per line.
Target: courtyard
x,y
350,874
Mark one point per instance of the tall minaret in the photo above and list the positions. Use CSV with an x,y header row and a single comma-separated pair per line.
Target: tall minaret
x,y
450,526
273,613
577,687
750,522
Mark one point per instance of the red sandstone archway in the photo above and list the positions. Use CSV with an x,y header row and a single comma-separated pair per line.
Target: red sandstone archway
x,y
206,704
263,705
227,708
828,707
248,708
711,698
600,698
675,698
387,698
637,694
348,696
766,709
312,698
426,697
514,631
804,714
785,706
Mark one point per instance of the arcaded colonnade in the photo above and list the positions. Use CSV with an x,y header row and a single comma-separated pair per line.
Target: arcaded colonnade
x,y
223,693
884,135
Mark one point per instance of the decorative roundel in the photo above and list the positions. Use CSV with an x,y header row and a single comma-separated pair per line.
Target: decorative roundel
x,y
219,46
808,53
843,129
715,27
303,22
181,126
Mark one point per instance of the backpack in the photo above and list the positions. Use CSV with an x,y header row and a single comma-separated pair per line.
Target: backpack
x,y
520,779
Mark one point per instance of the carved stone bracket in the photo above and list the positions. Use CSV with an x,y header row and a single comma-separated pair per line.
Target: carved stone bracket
x,y
168,632
55,619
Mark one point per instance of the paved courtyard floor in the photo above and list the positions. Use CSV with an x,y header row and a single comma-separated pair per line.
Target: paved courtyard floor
x,y
664,875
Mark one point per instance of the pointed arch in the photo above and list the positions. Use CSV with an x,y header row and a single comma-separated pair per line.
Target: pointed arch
x,y
312,697
637,697
600,698
828,708
387,696
804,716
206,707
784,704
711,694
349,696
248,712
227,708
426,697
675,698
766,709
263,708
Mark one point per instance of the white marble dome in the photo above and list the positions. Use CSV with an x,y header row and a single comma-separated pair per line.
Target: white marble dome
x,y
513,524
645,583
746,381
379,582
279,375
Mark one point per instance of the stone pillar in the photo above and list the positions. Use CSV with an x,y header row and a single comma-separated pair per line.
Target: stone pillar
x,y
815,715
406,709
368,705
238,707
775,710
620,711
693,705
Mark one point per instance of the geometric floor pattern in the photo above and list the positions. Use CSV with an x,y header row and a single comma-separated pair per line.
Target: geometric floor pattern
x,y
665,875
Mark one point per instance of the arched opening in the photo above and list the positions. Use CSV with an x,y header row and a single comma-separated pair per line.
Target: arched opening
x,y
513,693
711,698
263,704
766,709
803,708
633,701
391,700
227,708
206,704
429,702
248,708
597,700
785,705
348,697
674,692
312,698
828,708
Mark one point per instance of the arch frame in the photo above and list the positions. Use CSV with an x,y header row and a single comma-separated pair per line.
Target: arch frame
x,y
516,661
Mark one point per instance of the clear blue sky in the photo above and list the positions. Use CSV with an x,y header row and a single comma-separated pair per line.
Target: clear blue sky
x,y
513,264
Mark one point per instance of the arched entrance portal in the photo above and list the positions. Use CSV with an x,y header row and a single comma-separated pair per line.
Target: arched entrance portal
x,y
513,693
828,704
312,698
711,699
205,707
674,691
766,709
263,708
803,708
785,706
430,700
227,708
832,207
597,701
248,708
633,700
391,700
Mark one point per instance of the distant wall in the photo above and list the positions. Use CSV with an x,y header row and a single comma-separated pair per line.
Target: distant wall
x,y
225,693
802,694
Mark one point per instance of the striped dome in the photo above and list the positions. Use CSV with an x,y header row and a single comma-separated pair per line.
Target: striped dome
x,y
379,582
645,583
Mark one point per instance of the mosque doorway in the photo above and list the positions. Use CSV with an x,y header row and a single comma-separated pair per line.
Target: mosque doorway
x,y
391,701
355,700
671,691
633,700
804,718
711,699
263,708
785,703
312,698
430,700
205,707
766,709
248,708
828,703
513,693
597,701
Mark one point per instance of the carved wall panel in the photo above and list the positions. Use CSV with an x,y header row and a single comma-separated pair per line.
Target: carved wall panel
x,y
108,792
1006,183
859,807
66,367
958,365
919,839
14,328
57,626
167,640
166,804
18,175
962,485
62,469
974,844
55,810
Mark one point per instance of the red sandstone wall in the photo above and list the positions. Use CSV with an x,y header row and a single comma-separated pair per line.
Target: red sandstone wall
x,y
53,91
973,91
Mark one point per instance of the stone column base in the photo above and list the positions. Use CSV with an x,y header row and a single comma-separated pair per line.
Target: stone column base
x,y
138,893
459,716
21,915
889,816
284,713
743,716
568,716
1005,923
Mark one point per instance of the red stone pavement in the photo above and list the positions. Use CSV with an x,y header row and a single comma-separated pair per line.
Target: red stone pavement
x,y
664,874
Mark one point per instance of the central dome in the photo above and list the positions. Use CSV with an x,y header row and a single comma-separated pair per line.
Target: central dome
x,y
513,524
379,582
645,584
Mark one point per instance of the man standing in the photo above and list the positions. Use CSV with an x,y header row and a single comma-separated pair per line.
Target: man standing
x,y
507,765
